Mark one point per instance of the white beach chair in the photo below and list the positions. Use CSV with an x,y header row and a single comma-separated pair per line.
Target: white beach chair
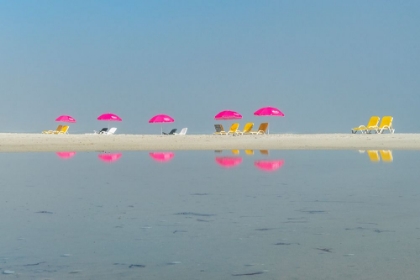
x,y
110,131
182,132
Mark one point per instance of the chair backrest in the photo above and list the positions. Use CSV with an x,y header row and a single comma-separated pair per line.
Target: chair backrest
x,y
386,155
386,121
172,131
373,155
248,127
63,130
59,127
183,131
103,130
263,127
111,130
218,127
373,121
234,127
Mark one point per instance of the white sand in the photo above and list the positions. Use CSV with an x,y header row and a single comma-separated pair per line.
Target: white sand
x,y
17,142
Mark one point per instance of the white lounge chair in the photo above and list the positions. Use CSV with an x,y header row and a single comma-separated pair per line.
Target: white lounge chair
x,y
102,131
182,132
110,131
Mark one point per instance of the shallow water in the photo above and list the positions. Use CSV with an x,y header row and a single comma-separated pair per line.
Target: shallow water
x,y
210,215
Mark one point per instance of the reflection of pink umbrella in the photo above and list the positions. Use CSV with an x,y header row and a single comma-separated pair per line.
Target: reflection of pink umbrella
x,y
161,119
162,156
228,162
65,155
65,118
228,115
109,157
269,111
269,165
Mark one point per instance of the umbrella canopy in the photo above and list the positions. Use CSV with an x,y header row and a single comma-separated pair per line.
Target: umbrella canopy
x,y
228,162
109,117
109,157
228,115
162,156
269,111
65,155
269,165
161,119
65,118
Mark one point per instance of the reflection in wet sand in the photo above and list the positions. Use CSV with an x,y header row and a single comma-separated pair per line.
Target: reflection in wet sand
x,y
269,165
162,156
376,156
109,157
228,162
65,155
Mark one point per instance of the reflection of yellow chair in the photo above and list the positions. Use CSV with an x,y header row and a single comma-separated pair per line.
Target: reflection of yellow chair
x,y
235,152
261,130
264,152
247,129
63,130
233,129
373,122
386,155
52,131
386,124
249,152
373,155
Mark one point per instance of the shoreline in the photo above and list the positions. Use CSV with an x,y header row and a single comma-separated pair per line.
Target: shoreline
x,y
34,142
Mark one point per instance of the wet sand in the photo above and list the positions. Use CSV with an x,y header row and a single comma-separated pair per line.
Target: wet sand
x,y
19,142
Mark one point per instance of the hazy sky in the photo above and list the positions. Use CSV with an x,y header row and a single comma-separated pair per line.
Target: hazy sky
x,y
328,65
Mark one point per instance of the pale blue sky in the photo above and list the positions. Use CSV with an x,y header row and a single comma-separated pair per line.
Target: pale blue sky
x,y
328,65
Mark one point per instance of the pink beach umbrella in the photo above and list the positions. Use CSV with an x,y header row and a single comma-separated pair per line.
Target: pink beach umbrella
x,y
65,155
228,162
228,115
109,117
269,165
269,111
162,156
161,119
111,157
65,118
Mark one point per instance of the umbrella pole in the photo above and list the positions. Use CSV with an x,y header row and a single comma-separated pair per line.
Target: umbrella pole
x,y
161,130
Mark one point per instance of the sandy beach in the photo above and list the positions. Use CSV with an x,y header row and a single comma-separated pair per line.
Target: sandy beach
x,y
17,142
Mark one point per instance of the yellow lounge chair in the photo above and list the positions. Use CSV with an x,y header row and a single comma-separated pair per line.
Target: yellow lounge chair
x,y
247,129
232,130
261,130
373,155
373,122
386,155
386,124
52,131
63,130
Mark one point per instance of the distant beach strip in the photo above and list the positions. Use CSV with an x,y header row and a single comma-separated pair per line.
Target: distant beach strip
x,y
25,142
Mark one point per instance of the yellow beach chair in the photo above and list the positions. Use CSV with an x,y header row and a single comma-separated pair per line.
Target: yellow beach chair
x,y
262,129
247,129
386,124
64,130
373,122
232,130
373,155
386,155
52,131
